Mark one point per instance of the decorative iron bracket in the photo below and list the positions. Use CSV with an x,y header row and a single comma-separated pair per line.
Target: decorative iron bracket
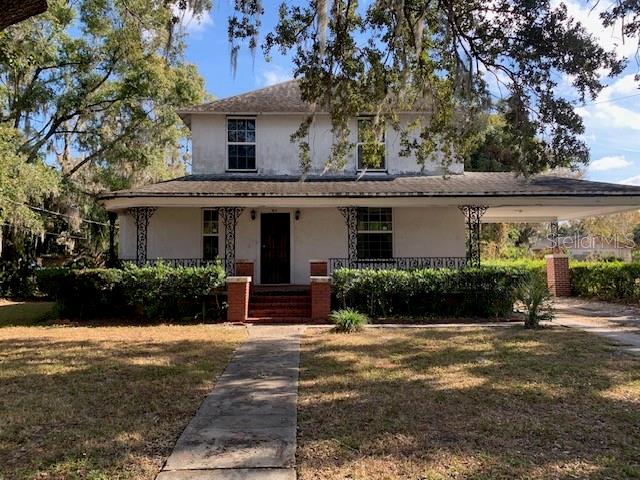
x,y
229,217
350,215
554,235
473,214
141,216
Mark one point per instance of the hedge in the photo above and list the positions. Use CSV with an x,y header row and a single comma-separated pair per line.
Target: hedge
x,y
487,292
612,281
533,266
151,292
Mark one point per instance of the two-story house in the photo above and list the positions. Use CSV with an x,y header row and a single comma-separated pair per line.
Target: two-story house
x,y
245,200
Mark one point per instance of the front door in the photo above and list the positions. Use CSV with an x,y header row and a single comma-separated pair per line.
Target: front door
x,y
274,248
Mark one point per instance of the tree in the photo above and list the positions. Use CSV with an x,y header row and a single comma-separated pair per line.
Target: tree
x,y
22,184
436,56
92,87
97,83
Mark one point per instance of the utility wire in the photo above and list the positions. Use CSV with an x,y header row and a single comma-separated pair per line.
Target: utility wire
x,y
59,214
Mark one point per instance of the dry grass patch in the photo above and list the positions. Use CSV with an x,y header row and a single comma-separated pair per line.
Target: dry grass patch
x,y
105,402
473,403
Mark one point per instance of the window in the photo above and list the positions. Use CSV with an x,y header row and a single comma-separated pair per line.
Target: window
x,y
209,234
241,143
375,237
376,157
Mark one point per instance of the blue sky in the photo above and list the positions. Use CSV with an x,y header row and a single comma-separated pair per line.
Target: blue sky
x,y
612,121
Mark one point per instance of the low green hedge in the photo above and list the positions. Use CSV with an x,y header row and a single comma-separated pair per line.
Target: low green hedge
x,y
612,281
150,292
487,292
536,267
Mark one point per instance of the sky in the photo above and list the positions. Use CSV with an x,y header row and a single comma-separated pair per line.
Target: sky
x,y
612,121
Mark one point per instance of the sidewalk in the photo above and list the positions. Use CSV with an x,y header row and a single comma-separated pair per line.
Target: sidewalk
x,y
618,323
246,427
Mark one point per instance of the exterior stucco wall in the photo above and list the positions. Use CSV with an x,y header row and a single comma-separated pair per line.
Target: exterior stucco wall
x,y
276,155
319,234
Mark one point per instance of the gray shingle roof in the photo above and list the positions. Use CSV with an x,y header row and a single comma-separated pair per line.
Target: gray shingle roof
x,y
282,97
491,184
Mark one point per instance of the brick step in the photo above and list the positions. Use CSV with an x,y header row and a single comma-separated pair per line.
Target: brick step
x,y
279,306
280,298
278,320
279,312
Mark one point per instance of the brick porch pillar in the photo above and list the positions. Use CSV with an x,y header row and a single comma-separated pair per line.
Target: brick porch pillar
x,y
318,268
320,298
238,298
558,276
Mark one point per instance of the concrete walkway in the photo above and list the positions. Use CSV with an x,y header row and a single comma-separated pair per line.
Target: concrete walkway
x,y
618,323
246,427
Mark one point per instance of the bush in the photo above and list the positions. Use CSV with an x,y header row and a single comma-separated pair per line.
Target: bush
x,y
537,267
150,292
476,292
348,320
17,278
537,301
610,281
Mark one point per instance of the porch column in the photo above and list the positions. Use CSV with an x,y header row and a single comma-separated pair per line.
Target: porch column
x,y
141,216
113,257
350,215
229,217
473,214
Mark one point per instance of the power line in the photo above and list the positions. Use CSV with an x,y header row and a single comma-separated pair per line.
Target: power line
x,y
59,214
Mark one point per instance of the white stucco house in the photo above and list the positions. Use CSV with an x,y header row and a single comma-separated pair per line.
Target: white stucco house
x,y
245,200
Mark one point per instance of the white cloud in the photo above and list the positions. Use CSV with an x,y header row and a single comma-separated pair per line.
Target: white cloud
x,y
635,180
273,75
609,163
192,23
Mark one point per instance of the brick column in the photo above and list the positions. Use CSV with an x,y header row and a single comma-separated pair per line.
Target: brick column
x,y
320,298
244,268
238,298
558,279
318,268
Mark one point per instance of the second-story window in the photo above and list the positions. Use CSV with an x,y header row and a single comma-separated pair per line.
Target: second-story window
x,y
241,143
370,146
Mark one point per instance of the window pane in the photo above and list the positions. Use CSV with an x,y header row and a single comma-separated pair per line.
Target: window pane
x,y
374,219
251,124
210,222
375,245
250,136
210,247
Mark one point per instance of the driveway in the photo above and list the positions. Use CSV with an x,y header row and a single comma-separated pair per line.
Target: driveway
x,y
619,323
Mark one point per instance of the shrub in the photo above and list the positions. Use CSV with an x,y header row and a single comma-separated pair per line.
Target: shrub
x,y
536,267
17,278
473,292
611,281
348,320
150,292
536,300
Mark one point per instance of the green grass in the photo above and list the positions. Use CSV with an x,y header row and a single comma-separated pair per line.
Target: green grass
x,y
473,403
24,313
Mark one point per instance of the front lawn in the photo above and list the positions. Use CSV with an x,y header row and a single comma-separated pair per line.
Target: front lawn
x,y
473,403
105,402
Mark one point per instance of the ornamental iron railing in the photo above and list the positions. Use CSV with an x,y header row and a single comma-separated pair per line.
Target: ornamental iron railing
x,y
173,262
398,263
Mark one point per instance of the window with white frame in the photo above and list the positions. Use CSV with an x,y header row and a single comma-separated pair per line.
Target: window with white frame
x,y
241,143
375,233
371,155
210,234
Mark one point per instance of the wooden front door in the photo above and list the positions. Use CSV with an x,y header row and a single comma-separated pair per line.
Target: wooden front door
x,y
275,248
